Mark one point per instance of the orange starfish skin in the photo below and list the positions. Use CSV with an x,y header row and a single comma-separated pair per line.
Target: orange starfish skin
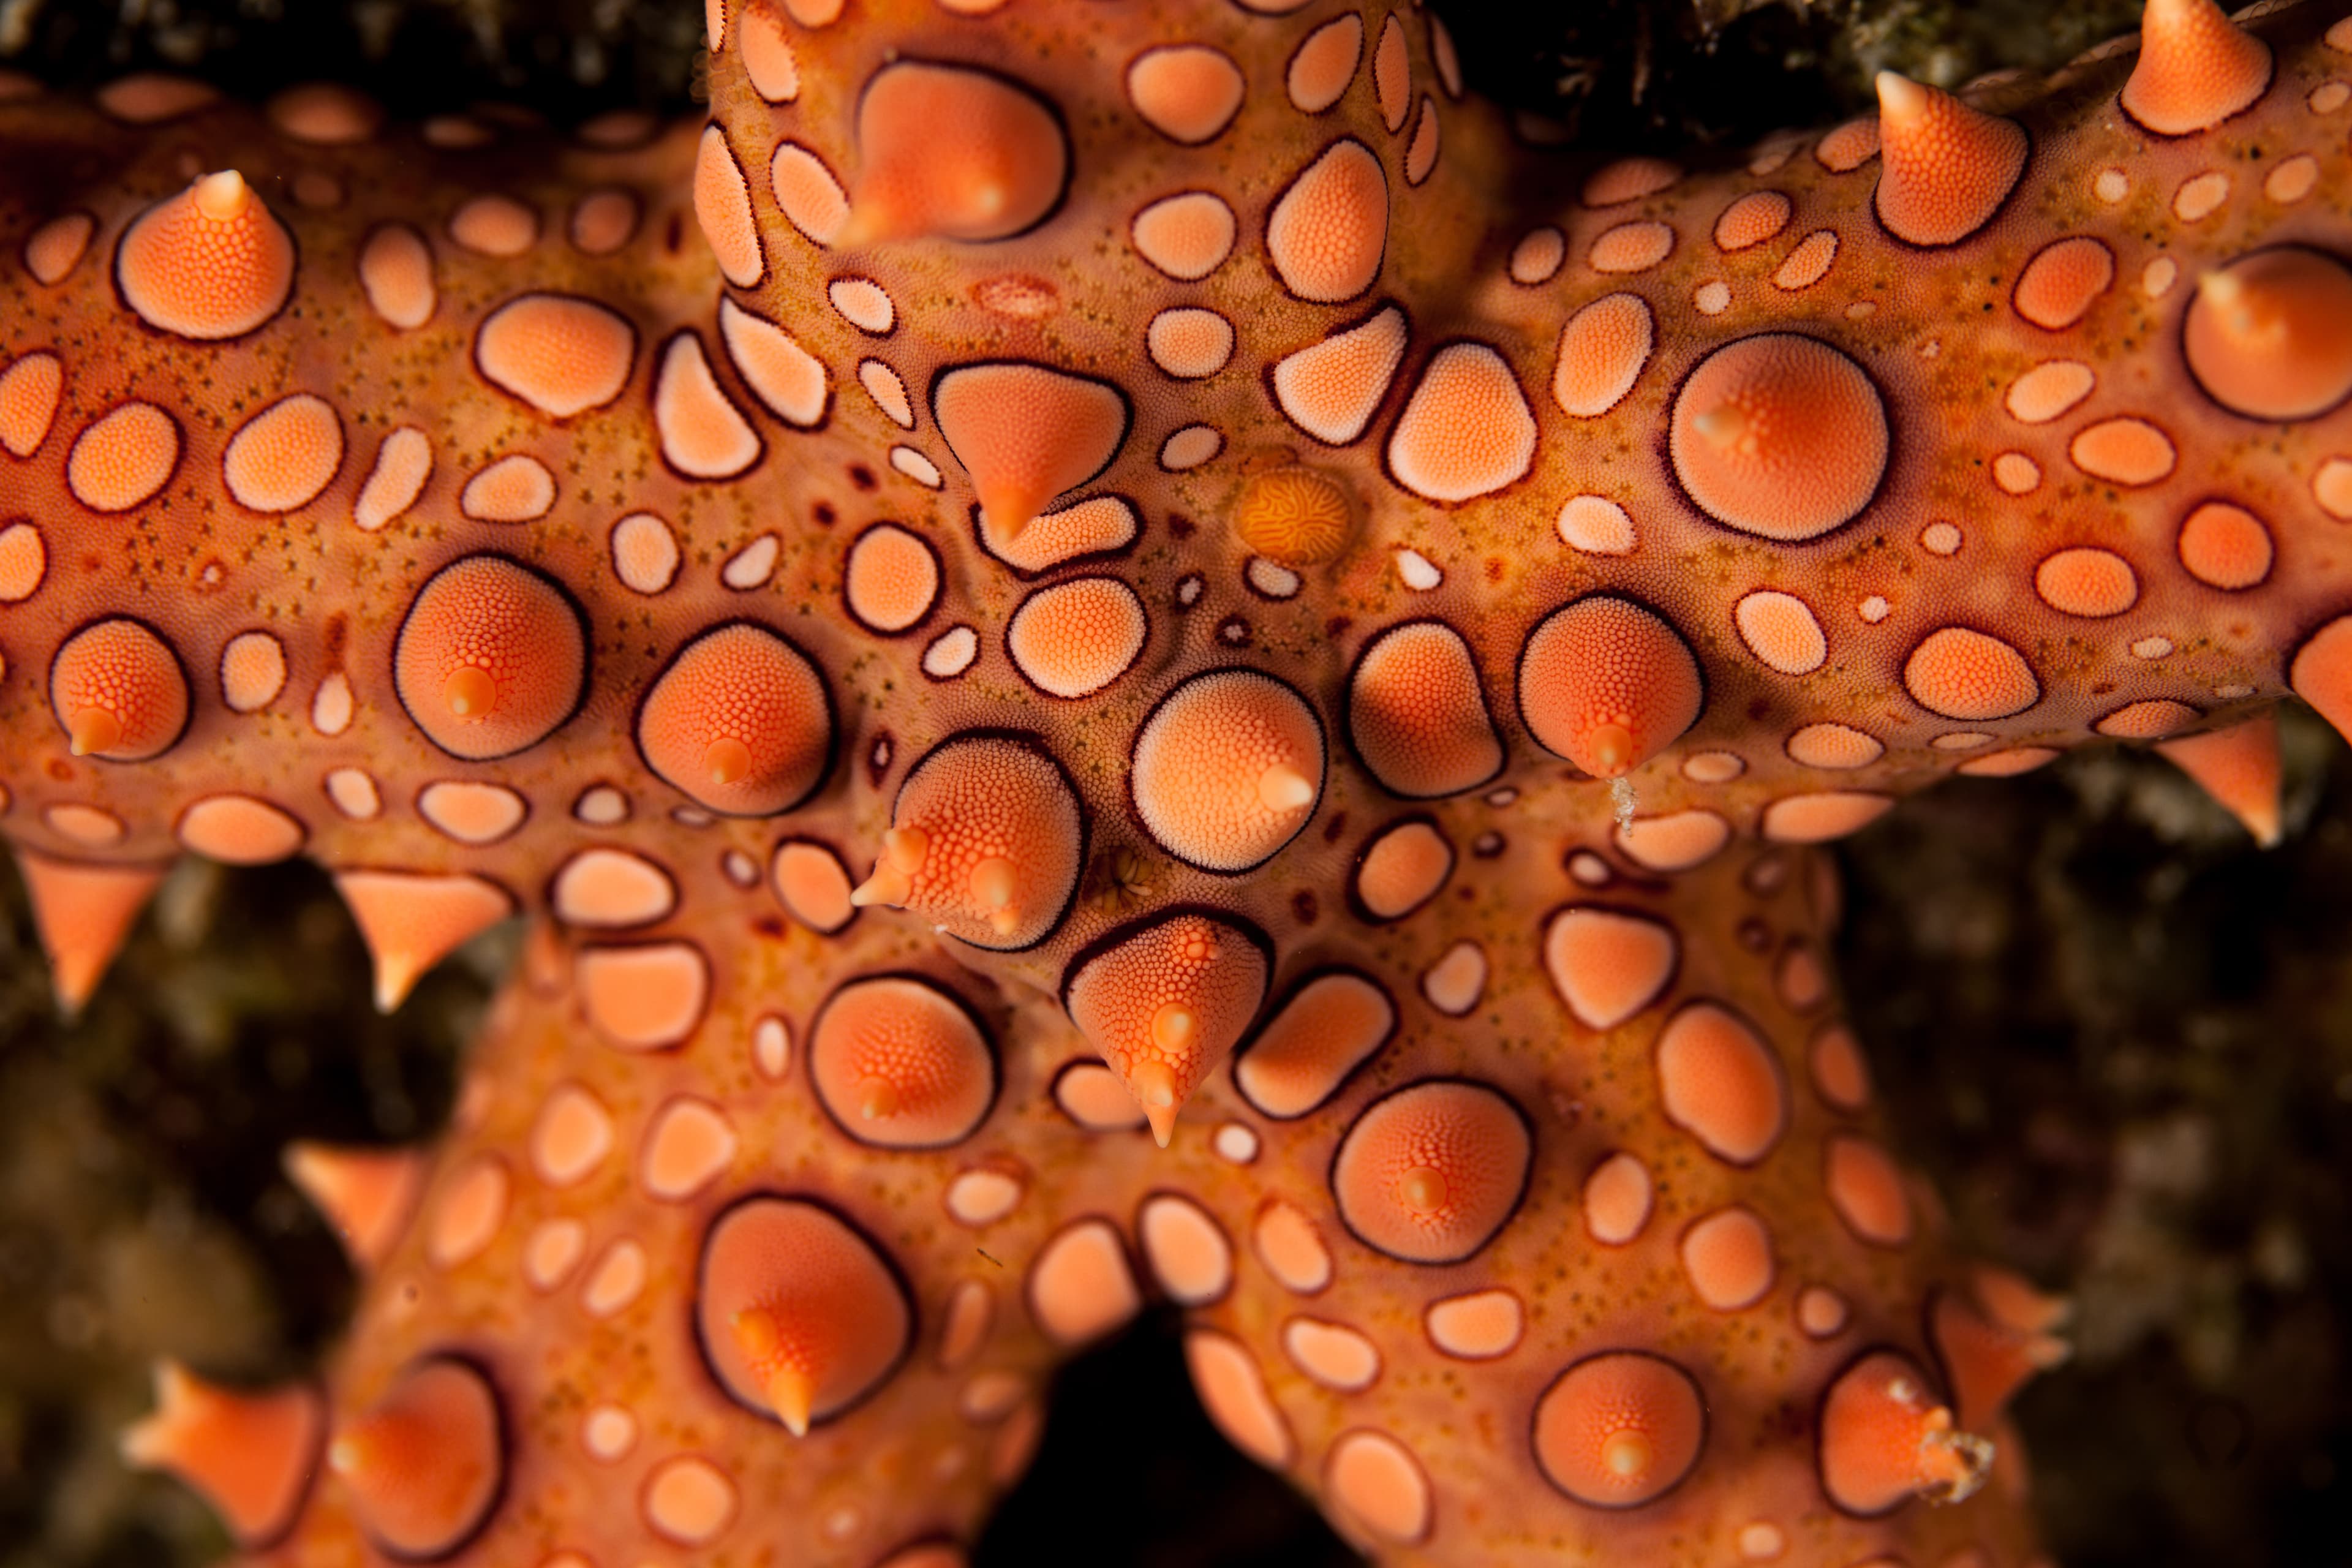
x,y
1111,520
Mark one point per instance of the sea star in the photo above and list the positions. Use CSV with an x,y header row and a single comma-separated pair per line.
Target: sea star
x,y
1155,488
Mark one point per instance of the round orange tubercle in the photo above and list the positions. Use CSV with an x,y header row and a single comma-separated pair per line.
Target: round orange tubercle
x,y
899,1061
1885,1438
1430,1173
1620,1429
1779,436
949,152
1227,769
1164,1000
118,691
425,1466
2270,334
1607,684
210,263
741,722
987,840
492,658
799,1314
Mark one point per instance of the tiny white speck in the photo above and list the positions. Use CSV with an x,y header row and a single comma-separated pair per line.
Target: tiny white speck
x,y
1418,571
2232,691
1873,609
1188,592
2151,648
2111,185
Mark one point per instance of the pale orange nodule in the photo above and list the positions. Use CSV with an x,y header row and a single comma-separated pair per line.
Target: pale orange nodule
x,y
1164,1001
426,1464
947,153
118,693
469,692
1430,1173
1779,436
2196,69
987,840
1946,168
799,1315
739,700
490,658
900,1062
1620,1429
212,262
1607,684
2270,335
1226,769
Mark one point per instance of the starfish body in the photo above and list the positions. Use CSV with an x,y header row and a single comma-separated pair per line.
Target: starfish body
x,y
1133,650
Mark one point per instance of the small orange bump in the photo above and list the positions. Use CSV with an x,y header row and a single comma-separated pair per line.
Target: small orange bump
x,y
250,1455
1946,168
2270,335
1720,1082
1466,429
741,721
1620,1429
283,456
947,153
118,693
1328,230
1886,1439
2225,546
1959,673
2196,69
1228,769
1607,684
366,1195
492,658
1331,1026
900,1062
1430,1173
29,392
1417,712
722,205
122,458
1608,965
799,1314
2239,767
425,1466
1779,436
210,263
560,354
1163,1001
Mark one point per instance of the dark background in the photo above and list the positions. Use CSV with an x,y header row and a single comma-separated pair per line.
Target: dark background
x,y
2119,1036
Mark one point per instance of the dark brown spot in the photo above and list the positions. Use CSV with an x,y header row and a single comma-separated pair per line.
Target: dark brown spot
x,y
824,514
862,477
1304,907
1336,827
1338,625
